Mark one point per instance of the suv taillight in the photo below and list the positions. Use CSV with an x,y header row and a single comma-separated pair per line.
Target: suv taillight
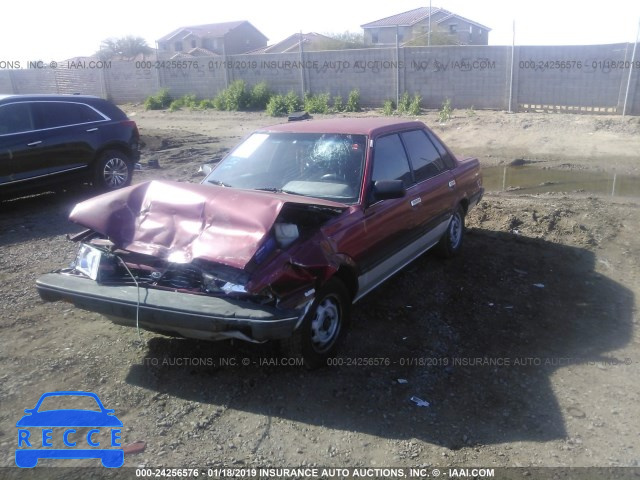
x,y
132,125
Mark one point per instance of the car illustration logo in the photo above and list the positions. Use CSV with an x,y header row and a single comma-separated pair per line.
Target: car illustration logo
x,y
69,433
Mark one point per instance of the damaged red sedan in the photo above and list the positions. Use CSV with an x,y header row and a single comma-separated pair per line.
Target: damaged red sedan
x,y
294,225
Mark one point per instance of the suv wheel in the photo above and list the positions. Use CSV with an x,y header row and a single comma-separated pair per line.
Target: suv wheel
x,y
113,170
323,327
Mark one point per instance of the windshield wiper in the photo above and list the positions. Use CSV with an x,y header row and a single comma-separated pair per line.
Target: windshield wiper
x,y
271,189
218,182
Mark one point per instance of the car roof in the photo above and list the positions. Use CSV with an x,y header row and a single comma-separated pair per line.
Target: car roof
x,y
371,126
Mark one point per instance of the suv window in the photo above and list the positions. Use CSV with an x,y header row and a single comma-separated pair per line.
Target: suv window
x,y
446,157
15,118
59,114
390,161
425,159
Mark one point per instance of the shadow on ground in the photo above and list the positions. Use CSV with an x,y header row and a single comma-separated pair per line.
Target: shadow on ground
x,y
478,337
40,215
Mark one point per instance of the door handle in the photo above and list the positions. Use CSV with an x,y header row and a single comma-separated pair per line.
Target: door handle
x,y
416,201
33,144
95,129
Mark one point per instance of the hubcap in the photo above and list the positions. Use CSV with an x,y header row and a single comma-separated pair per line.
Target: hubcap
x,y
325,325
115,172
455,230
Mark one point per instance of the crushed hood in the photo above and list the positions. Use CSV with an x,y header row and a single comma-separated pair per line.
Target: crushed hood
x,y
181,222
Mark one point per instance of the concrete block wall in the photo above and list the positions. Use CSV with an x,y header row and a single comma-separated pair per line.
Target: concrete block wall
x,y
372,71
590,77
125,84
468,76
282,71
586,76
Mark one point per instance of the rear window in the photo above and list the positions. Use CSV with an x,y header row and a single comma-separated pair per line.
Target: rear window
x,y
425,159
444,154
60,114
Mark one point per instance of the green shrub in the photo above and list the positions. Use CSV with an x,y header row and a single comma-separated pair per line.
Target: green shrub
x,y
233,98
338,106
316,103
164,97
206,104
219,101
161,100
353,102
277,106
259,96
446,111
405,103
388,107
188,101
471,112
414,106
238,97
292,100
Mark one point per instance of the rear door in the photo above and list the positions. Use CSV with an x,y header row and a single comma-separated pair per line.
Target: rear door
x,y
433,196
67,133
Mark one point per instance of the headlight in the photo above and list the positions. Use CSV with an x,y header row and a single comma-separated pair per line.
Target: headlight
x,y
286,233
88,261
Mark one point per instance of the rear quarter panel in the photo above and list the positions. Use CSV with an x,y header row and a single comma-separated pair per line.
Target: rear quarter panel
x,y
468,179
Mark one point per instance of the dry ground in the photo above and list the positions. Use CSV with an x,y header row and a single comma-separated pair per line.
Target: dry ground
x,y
526,346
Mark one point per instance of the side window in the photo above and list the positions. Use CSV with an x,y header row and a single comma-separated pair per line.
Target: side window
x,y
444,154
390,161
60,114
15,118
425,159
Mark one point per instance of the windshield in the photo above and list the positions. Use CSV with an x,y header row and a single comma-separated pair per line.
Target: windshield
x,y
327,166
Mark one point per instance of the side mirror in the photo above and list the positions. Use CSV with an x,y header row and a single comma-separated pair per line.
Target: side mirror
x,y
205,169
387,189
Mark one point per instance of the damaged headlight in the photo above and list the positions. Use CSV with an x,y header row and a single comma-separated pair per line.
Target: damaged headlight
x,y
212,284
286,233
88,261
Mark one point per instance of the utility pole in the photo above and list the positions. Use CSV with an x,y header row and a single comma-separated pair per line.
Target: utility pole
x,y
429,36
633,59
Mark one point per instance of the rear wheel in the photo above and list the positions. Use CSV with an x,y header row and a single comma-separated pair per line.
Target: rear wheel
x,y
323,327
451,242
113,170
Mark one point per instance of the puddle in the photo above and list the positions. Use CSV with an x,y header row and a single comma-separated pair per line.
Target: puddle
x,y
536,180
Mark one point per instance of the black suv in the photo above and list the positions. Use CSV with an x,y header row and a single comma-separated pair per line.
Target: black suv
x,y
51,140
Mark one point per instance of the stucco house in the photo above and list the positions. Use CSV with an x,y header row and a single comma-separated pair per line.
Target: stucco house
x,y
413,28
228,38
310,41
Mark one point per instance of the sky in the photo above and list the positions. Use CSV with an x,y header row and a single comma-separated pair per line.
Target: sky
x,y
35,30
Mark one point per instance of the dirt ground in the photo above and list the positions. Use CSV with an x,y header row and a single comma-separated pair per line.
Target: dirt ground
x,y
526,346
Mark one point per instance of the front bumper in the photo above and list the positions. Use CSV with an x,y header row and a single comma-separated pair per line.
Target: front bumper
x,y
172,313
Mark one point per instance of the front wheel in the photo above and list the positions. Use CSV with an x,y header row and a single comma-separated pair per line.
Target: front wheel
x,y
323,327
113,170
451,242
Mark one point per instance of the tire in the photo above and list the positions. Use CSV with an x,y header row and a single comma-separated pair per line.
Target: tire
x,y
113,170
450,244
322,329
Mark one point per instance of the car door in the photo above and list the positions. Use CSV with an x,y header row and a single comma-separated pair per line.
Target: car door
x,y
387,239
67,133
19,147
432,198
